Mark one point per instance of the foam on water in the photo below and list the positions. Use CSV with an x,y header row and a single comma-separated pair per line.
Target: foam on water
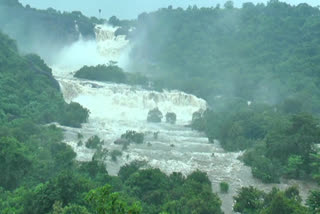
x,y
107,47
127,103
115,108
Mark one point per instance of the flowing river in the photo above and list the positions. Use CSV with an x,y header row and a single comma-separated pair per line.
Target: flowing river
x,y
116,108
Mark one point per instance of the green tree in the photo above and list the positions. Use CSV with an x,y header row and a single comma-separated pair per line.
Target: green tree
x,y
94,142
14,162
228,5
249,200
294,166
315,164
75,209
65,188
282,204
103,201
133,137
224,187
313,202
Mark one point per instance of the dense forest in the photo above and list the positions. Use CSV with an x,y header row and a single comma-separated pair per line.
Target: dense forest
x,y
257,66
262,53
277,144
265,54
39,173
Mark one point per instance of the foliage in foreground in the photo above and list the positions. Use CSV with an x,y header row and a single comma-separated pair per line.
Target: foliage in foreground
x,y
86,188
253,201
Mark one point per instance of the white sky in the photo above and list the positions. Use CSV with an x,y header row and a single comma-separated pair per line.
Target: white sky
x,y
128,9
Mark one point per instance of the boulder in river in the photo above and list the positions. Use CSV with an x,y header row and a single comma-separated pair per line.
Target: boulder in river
x,y
171,117
121,141
155,116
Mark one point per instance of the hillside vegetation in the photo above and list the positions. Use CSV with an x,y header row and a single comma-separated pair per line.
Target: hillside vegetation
x,y
258,67
39,173
43,31
267,54
29,91
262,53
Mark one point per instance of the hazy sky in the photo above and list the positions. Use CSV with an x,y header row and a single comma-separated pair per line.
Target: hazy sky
x,y
131,8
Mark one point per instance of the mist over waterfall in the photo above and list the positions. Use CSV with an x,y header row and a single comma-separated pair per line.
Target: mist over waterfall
x,y
115,101
116,108
107,47
186,110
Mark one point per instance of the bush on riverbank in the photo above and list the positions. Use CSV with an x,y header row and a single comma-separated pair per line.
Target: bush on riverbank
x,y
277,144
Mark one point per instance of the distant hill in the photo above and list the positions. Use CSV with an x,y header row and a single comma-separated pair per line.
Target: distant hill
x,y
264,52
43,31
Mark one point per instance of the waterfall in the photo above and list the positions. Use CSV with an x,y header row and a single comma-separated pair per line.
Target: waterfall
x,y
116,108
107,47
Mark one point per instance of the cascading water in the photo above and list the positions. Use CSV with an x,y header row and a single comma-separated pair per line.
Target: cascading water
x,y
116,108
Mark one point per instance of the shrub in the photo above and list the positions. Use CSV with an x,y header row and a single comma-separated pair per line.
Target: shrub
x,y
108,73
224,187
94,142
155,116
133,137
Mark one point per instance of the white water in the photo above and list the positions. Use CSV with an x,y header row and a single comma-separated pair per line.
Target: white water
x,y
106,48
116,108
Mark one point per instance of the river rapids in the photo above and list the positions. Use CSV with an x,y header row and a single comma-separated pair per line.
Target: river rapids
x,y
116,108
